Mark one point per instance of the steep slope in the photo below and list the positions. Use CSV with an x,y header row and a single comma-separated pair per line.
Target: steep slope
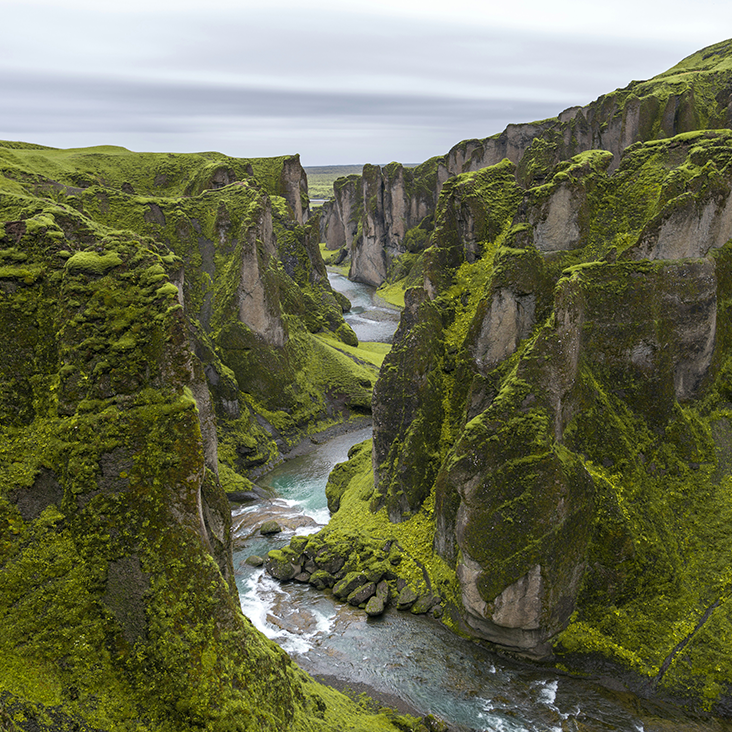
x,y
250,276
556,404
384,213
117,600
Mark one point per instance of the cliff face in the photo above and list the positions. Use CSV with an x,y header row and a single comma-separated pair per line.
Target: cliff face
x,y
137,332
384,205
252,280
559,388
370,216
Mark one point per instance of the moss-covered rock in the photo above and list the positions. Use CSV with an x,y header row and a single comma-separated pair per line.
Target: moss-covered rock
x,y
117,599
374,607
342,474
270,527
571,367
410,410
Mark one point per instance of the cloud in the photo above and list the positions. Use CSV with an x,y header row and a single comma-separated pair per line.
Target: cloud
x,y
49,105
389,79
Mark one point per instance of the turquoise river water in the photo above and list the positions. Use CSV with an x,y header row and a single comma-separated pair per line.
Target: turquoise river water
x,y
411,657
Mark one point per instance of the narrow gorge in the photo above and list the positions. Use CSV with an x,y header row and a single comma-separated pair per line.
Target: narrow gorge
x,y
550,467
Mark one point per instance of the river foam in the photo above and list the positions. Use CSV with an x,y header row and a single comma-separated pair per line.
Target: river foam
x,y
297,632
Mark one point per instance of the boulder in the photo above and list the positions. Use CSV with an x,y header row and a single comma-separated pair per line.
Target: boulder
x,y
280,566
329,560
375,606
298,544
344,587
362,594
270,527
320,579
407,598
376,573
309,565
254,561
422,605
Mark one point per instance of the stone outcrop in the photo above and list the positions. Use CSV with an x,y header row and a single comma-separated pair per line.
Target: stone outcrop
x,y
294,188
258,309
560,378
371,216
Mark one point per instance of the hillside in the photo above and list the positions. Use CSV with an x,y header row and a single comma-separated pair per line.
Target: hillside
x,y
551,427
158,316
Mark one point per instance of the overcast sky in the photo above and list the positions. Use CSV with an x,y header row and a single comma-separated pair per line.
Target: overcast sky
x,y
338,81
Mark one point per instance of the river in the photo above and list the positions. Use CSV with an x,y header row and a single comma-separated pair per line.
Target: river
x,y
370,317
412,658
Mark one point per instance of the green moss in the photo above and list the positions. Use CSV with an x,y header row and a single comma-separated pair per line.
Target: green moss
x,y
366,352
393,293
359,535
93,263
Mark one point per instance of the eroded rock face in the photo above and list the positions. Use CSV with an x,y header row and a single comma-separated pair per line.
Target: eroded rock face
x,y
408,404
556,226
294,182
519,605
368,255
501,489
258,301
570,352
510,319
662,107
339,223
687,228
371,214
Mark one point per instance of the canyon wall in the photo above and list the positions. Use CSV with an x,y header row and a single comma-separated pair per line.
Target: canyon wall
x,y
162,316
557,398
375,217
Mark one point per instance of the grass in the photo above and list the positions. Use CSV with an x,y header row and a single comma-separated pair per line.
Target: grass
x,y
368,351
329,256
393,293
321,178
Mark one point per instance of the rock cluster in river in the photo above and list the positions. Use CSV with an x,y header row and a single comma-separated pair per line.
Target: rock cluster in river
x,y
369,581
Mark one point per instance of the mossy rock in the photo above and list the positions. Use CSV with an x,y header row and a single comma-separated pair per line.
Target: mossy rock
x,y
375,606
270,527
407,598
361,595
346,334
320,579
422,605
280,566
353,580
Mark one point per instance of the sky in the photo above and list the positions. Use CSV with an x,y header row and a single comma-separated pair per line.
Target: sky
x,y
337,81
